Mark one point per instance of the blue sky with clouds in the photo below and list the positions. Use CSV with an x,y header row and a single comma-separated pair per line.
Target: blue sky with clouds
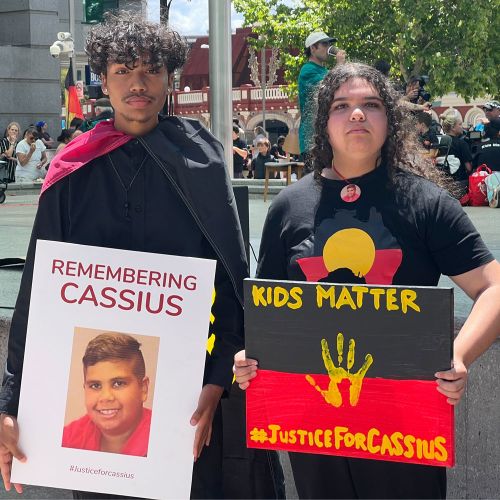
x,y
190,17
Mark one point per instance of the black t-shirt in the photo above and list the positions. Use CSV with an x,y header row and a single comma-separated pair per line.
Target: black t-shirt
x,y
489,153
238,161
461,150
406,234
429,137
259,165
277,150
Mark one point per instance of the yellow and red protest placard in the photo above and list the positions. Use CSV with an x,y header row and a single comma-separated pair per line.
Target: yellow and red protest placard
x,y
349,370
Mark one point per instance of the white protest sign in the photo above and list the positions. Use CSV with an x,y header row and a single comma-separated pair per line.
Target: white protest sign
x,y
110,427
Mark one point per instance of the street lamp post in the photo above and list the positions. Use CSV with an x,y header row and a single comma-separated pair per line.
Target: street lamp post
x,y
71,7
263,84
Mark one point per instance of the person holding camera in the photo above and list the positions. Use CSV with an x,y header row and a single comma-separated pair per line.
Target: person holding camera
x,y
416,98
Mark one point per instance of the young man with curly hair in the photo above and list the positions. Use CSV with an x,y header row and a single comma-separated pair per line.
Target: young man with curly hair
x,y
150,184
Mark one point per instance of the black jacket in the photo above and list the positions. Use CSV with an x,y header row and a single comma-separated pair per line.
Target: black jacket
x,y
192,161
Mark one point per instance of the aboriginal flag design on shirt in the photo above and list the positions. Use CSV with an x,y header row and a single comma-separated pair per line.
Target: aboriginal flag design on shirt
x,y
348,250
349,369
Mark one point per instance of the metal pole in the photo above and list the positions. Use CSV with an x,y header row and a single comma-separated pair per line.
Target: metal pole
x,y
71,5
220,73
263,84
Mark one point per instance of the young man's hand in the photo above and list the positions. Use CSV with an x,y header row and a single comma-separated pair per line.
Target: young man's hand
x,y
203,416
9,437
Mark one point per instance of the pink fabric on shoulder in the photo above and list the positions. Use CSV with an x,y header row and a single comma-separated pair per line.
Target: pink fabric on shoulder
x,y
102,139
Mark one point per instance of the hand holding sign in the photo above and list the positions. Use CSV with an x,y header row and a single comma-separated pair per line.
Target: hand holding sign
x,y
9,437
337,373
203,416
452,382
244,369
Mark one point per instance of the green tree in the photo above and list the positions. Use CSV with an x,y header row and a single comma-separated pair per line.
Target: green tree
x,y
455,42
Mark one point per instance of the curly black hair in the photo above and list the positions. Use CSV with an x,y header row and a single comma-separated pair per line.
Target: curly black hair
x,y
400,150
125,37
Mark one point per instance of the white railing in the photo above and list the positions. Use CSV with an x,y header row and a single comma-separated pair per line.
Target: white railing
x,y
200,98
273,93
190,98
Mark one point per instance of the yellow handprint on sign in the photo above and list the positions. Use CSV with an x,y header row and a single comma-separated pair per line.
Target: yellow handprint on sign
x,y
337,373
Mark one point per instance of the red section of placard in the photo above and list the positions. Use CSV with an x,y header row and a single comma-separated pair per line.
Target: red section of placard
x,y
396,420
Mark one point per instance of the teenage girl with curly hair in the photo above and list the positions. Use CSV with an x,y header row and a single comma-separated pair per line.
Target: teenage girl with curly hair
x,y
363,139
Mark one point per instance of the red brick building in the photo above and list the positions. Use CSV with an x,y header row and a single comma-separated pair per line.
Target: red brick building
x,y
193,96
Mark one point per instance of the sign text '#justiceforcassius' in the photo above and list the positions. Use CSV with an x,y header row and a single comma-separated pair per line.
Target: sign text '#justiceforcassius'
x,y
349,370
102,320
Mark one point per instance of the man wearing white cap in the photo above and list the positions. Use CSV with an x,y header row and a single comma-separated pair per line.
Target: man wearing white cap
x,y
491,110
318,48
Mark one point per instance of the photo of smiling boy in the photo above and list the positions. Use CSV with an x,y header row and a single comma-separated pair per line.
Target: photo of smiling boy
x,y
115,389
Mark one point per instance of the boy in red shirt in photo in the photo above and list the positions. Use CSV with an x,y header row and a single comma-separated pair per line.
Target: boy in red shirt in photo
x,y
116,387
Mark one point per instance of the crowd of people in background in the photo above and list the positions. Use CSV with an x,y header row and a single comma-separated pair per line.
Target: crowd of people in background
x,y
24,156
459,150
450,146
445,139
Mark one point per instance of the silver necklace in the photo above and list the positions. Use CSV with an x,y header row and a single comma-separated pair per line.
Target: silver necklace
x,y
126,205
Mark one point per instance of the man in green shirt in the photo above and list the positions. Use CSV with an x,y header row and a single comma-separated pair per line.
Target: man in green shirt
x,y
318,49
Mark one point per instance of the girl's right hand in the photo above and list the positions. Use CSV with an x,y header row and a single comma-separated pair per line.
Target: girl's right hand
x,y
244,369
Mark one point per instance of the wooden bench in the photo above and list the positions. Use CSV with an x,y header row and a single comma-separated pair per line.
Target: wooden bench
x,y
287,166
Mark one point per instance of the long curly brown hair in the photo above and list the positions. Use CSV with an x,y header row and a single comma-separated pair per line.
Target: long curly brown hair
x,y
125,37
400,149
